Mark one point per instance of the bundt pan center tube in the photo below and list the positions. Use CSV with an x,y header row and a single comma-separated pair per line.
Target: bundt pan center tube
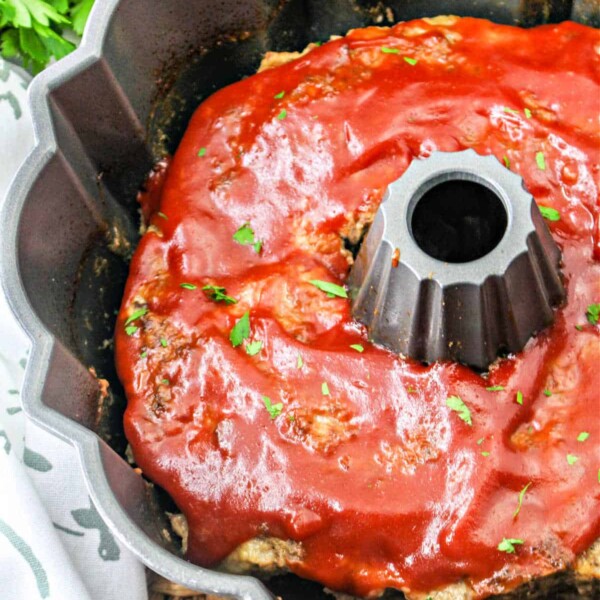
x,y
458,263
110,111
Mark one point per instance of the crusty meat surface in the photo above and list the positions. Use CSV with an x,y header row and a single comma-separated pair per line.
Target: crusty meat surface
x,y
249,404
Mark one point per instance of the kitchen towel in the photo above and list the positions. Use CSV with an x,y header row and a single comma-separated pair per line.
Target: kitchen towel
x,y
53,543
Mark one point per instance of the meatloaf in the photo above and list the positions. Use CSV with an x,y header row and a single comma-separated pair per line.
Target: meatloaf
x,y
285,436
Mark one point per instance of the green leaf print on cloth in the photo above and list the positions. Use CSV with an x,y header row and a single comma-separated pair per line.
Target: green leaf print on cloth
x,y
14,104
21,546
88,518
36,461
7,444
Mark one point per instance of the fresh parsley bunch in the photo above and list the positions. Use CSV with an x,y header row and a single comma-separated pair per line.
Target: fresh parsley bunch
x,y
34,30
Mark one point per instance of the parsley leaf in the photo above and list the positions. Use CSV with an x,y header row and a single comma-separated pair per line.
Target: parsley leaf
x,y
254,347
136,314
485,453
540,161
245,236
188,286
592,313
162,215
131,329
572,459
583,436
495,388
411,61
274,410
456,404
549,213
508,545
527,113
217,293
325,389
241,330
519,397
280,95
506,161
79,15
547,393
331,289
521,496
299,362
387,50
202,152
282,115
357,347
33,30
510,111
164,342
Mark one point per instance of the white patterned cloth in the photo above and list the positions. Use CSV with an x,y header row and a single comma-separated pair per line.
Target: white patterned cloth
x,y
53,544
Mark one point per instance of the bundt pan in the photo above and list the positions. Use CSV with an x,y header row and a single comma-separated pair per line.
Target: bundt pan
x,y
103,116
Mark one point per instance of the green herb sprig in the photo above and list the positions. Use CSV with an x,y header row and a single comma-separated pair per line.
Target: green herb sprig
x,y
36,31
457,405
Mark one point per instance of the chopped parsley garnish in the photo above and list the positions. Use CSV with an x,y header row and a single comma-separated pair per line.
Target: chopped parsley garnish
x,y
547,393
520,397
584,435
480,441
299,362
241,330
245,236
572,459
506,161
527,113
511,111
282,115
188,286
411,390
592,313
280,95
131,329
165,382
253,348
357,347
144,354
136,314
162,215
331,289
520,501
456,404
579,327
495,388
274,410
508,545
324,389
202,151
411,61
387,50
540,161
549,213
485,453
217,293
163,342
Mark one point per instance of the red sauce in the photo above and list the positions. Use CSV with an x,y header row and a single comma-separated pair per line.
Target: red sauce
x,y
382,483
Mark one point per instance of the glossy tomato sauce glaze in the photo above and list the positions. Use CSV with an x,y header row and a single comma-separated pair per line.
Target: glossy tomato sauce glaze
x,y
382,483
